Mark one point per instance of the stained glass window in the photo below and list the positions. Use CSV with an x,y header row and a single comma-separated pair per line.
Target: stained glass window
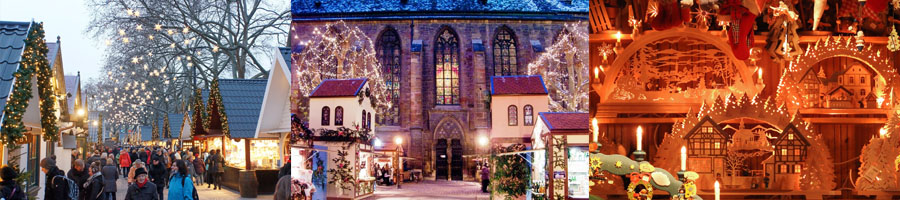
x,y
528,116
389,55
446,67
325,116
505,52
513,115
339,116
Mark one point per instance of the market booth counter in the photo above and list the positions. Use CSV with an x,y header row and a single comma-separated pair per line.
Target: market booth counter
x,y
560,168
256,163
350,167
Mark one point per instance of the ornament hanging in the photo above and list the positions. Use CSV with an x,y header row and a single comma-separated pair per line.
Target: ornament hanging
x,y
741,17
893,43
783,42
819,7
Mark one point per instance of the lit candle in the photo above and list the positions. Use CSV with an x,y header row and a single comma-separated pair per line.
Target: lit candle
x,y
640,132
718,192
882,132
618,37
760,73
683,158
596,127
597,73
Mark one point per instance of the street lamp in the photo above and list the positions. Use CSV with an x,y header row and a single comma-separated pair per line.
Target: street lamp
x,y
399,141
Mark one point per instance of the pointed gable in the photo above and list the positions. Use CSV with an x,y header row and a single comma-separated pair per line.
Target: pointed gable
x,y
787,140
696,131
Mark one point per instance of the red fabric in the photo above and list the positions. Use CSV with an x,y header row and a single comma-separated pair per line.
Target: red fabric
x,y
125,160
851,8
740,33
141,184
877,5
669,15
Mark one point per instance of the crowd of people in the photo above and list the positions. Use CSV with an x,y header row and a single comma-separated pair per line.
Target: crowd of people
x,y
149,171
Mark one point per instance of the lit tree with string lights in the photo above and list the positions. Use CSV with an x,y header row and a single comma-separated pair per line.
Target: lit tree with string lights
x,y
220,35
338,51
564,68
151,45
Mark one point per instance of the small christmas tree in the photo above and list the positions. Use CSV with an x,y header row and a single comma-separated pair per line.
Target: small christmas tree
x,y
877,171
893,43
341,174
818,173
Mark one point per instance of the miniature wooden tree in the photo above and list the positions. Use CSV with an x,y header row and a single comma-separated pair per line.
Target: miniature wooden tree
x,y
877,171
818,173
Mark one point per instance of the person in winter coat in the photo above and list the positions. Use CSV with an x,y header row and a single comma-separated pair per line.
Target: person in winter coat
x,y
9,188
56,187
142,189
158,175
181,186
216,167
93,186
79,174
110,174
199,169
125,162
188,161
283,188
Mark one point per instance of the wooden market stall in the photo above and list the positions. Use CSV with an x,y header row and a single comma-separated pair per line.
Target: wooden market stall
x,y
560,166
251,162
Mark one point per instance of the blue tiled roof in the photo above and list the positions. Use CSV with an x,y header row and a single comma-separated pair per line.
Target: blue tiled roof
x,y
12,43
306,9
175,121
242,99
146,133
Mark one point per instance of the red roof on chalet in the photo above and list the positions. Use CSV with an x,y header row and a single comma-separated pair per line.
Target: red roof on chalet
x,y
501,85
573,121
338,88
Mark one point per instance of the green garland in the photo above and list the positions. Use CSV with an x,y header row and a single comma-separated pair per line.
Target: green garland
x,y
34,59
155,131
215,98
199,117
511,172
166,133
100,129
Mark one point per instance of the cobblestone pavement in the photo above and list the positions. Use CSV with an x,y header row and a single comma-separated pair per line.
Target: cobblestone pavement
x,y
202,191
429,189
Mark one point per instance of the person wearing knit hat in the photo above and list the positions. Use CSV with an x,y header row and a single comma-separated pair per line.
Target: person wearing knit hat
x,y
143,188
56,186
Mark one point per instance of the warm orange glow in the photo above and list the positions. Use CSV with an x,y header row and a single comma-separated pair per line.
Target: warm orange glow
x,y
640,132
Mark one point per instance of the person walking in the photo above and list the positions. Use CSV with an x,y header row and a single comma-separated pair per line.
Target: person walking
x,y
199,169
142,189
215,169
283,188
138,164
56,188
9,188
158,174
485,178
181,186
79,175
110,174
125,162
94,185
